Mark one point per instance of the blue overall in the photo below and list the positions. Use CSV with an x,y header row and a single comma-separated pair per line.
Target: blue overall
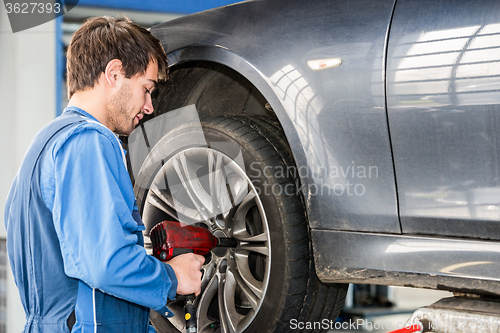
x,y
74,247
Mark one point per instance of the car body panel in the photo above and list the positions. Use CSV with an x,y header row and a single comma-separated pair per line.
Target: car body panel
x,y
467,266
336,127
443,94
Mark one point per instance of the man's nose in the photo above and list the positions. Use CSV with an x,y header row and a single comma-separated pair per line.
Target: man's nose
x,y
147,108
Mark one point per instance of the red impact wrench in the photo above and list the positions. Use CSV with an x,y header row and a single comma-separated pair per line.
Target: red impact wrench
x,y
171,238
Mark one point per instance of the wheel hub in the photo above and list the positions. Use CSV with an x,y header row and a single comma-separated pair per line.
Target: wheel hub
x,y
220,251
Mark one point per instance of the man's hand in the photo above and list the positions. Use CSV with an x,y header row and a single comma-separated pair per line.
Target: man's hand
x,y
187,269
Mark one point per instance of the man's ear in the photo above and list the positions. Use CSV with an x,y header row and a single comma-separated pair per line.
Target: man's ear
x,y
113,72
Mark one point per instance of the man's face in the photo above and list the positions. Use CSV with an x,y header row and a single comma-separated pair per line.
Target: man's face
x,y
133,99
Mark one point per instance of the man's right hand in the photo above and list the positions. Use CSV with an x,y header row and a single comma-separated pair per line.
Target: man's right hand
x,y
187,268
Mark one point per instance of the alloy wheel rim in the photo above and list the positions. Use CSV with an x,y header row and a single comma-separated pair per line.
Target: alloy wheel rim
x,y
203,186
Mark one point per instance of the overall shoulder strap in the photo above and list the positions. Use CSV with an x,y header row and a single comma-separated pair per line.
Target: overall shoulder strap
x,y
43,137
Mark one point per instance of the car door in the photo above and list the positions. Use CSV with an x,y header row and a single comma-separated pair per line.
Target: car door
x,y
443,101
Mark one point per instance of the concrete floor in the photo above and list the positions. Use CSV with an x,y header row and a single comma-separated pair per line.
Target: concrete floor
x,y
406,301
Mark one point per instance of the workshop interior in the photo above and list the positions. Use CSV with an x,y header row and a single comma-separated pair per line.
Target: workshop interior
x,y
337,161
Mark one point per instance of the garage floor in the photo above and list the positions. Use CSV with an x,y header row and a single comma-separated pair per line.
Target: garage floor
x,y
406,301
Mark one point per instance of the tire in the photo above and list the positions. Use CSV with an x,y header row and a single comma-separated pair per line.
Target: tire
x,y
241,184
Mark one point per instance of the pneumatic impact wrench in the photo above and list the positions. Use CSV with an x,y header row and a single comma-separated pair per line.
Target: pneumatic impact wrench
x,y
171,238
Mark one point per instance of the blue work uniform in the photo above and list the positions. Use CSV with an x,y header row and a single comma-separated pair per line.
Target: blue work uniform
x,y
74,246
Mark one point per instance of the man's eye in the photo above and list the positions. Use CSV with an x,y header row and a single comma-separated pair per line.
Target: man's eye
x,y
148,91
154,94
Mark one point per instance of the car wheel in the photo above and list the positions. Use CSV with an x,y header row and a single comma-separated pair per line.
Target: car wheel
x,y
241,184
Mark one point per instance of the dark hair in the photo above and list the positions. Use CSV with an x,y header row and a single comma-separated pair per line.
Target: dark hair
x,y
102,39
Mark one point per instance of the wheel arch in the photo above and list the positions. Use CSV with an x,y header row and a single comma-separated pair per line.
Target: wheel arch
x,y
237,70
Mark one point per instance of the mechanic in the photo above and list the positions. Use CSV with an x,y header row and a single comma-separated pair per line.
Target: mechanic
x,y
74,234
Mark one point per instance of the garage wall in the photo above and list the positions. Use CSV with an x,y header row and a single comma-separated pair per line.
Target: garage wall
x,y
27,103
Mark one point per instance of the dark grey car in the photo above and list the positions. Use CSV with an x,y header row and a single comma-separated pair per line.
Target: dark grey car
x,y
337,141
